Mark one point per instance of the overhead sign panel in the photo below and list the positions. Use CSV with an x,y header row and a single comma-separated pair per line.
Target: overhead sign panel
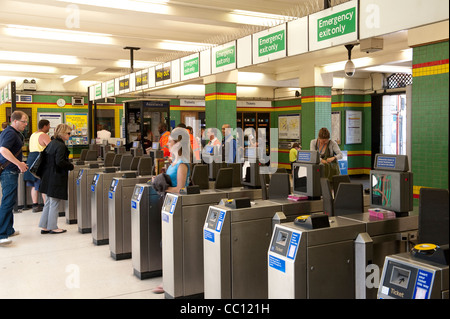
x,y
162,74
190,67
269,44
333,26
224,57
380,17
297,36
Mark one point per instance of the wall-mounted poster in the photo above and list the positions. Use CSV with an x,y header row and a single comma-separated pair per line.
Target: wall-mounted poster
x,y
78,122
353,127
289,127
336,126
54,118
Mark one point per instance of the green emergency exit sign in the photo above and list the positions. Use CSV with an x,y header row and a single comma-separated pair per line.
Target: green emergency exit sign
x,y
335,25
190,66
271,43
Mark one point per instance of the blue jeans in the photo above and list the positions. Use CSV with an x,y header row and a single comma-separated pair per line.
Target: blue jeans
x,y
9,180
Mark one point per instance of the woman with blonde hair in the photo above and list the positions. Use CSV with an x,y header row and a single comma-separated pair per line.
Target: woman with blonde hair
x,y
55,178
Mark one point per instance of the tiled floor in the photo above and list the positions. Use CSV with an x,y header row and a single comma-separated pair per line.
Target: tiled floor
x,y
65,266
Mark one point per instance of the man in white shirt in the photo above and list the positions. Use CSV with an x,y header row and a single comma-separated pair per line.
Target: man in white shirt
x,y
103,134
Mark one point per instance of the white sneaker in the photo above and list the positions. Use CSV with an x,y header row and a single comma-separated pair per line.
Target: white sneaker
x,y
5,241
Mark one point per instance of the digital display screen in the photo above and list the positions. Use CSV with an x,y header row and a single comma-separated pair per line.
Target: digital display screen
x,y
135,144
300,179
155,145
381,190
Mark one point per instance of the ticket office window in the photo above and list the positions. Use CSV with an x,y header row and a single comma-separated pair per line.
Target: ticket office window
x,y
105,120
256,120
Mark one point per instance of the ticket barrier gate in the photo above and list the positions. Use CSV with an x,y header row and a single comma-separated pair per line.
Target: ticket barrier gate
x,y
71,203
99,196
236,235
146,231
183,217
83,193
422,273
313,258
119,208
381,237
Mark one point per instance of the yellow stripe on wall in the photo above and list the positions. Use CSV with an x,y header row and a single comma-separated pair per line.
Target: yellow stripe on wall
x,y
430,70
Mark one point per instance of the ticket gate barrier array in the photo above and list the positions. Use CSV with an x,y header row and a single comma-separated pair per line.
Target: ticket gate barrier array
x,y
119,214
146,251
99,197
183,217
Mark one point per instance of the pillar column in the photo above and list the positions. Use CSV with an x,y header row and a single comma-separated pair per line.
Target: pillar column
x,y
316,103
220,100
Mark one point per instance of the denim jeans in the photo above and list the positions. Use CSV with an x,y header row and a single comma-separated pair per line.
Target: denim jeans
x,y
9,180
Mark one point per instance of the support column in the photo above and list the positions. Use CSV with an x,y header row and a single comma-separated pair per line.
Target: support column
x,y
316,103
220,100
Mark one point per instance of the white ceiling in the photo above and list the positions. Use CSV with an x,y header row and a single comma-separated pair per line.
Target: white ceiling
x,y
206,22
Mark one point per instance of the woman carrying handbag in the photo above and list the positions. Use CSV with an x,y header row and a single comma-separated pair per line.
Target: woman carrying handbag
x,y
54,181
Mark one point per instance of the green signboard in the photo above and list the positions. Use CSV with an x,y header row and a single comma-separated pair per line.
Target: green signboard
x,y
335,25
271,43
190,66
226,56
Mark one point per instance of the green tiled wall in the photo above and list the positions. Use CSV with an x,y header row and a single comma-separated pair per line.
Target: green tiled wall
x,y
430,120
220,111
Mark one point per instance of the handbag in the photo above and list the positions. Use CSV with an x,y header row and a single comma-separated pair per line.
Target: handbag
x,y
37,167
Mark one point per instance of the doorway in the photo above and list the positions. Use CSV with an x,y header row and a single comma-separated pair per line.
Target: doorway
x,y
393,140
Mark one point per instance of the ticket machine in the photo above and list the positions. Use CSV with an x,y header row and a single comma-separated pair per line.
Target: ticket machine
x,y
119,208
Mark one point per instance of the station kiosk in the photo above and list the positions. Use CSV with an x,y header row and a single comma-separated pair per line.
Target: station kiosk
x,y
422,273
99,195
119,208
183,216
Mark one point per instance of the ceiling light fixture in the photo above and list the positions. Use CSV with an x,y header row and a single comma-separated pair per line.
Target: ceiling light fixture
x,y
37,57
27,68
148,6
57,34
184,46
258,18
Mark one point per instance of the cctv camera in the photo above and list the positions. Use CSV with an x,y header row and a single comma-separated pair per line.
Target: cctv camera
x,y
349,68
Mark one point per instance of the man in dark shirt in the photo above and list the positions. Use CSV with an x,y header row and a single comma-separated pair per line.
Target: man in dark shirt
x,y
11,142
